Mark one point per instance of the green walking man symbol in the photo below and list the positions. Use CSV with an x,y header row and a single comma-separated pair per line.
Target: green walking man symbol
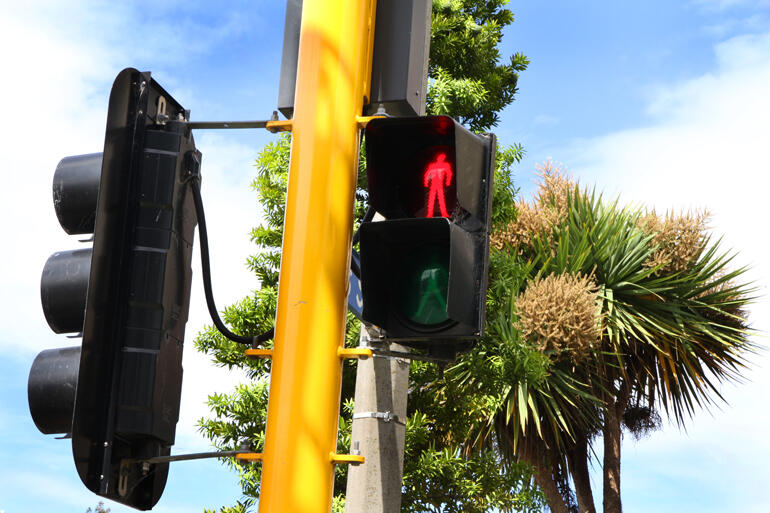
x,y
432,306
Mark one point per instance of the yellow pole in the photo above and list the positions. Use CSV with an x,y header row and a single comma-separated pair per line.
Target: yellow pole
x,y
333,76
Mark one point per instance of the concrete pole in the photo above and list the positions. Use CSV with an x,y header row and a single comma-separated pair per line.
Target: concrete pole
x,y
379,429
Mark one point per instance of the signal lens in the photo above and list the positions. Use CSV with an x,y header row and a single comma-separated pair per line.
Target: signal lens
x,y
427,183
421,294
437,178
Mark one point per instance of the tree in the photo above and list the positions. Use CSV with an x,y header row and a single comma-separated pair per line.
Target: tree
x,y
99,508
469,83
630,314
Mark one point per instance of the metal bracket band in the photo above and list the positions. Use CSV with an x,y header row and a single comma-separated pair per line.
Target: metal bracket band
x,y
386,416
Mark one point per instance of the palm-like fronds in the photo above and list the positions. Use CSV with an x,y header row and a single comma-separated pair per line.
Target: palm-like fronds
x,y
669,335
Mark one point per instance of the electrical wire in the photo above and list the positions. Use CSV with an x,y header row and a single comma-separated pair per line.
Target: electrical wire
x,y
367,217
206,269
355,259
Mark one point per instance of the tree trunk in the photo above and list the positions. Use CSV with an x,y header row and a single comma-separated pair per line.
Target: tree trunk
x,y
578,469
611,429
536,455
544,479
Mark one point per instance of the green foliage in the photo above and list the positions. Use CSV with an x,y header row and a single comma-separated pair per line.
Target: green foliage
x,y
504,195
270,184
468,83
668,337
239,507
445,481
253,314
99,508
239,422
338,504
440,474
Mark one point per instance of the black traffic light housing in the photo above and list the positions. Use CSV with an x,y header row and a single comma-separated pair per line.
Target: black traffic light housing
x,y
129,295
424,268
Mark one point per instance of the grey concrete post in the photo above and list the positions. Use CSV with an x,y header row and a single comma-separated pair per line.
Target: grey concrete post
x,y
379,429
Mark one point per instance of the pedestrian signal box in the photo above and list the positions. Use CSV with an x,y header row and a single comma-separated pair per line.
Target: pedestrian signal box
x,y
424,268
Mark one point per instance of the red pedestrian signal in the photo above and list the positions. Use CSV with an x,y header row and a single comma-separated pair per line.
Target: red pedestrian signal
x,y
438,177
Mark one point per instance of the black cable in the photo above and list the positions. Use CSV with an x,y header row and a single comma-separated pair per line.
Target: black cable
x,y
367,217
355,260
355,263
206,269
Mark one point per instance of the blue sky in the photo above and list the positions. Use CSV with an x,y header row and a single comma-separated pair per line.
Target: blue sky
x,y
663,103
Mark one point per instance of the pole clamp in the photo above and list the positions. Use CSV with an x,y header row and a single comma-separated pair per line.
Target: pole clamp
x,y
385,416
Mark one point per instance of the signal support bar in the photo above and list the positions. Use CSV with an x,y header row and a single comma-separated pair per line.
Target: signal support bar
x,y
342,352
259,353
273,124
346,459
249,456
364,120
354,353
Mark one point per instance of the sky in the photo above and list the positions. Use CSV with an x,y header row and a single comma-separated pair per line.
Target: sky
x,y
661,103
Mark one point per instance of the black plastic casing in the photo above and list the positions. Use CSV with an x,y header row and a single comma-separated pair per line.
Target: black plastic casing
x,y
393,146
130,377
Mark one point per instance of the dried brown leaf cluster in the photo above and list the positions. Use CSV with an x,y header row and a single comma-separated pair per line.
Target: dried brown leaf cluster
x,y
555,186
547,209
731,304
679,239
560,313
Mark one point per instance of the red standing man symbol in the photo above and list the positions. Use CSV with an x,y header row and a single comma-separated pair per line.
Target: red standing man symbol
x,y
437,176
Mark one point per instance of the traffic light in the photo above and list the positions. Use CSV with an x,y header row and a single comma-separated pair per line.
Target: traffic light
x,y
424,268
118,394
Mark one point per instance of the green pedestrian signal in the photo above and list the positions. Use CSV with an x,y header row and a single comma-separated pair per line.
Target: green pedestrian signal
x,y
423,292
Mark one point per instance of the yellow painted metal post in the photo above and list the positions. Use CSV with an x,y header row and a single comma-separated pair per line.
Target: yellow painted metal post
x,y
333,76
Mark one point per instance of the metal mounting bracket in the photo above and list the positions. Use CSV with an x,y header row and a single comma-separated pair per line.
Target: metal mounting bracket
x,y
354,352
249,456
386,416
364,120
185,457
273,124
346,459
259,353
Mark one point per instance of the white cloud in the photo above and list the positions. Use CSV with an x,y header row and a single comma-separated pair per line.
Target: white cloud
x,y
723,5
50,488
708,146
545,119
731,25
57,106
60,60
